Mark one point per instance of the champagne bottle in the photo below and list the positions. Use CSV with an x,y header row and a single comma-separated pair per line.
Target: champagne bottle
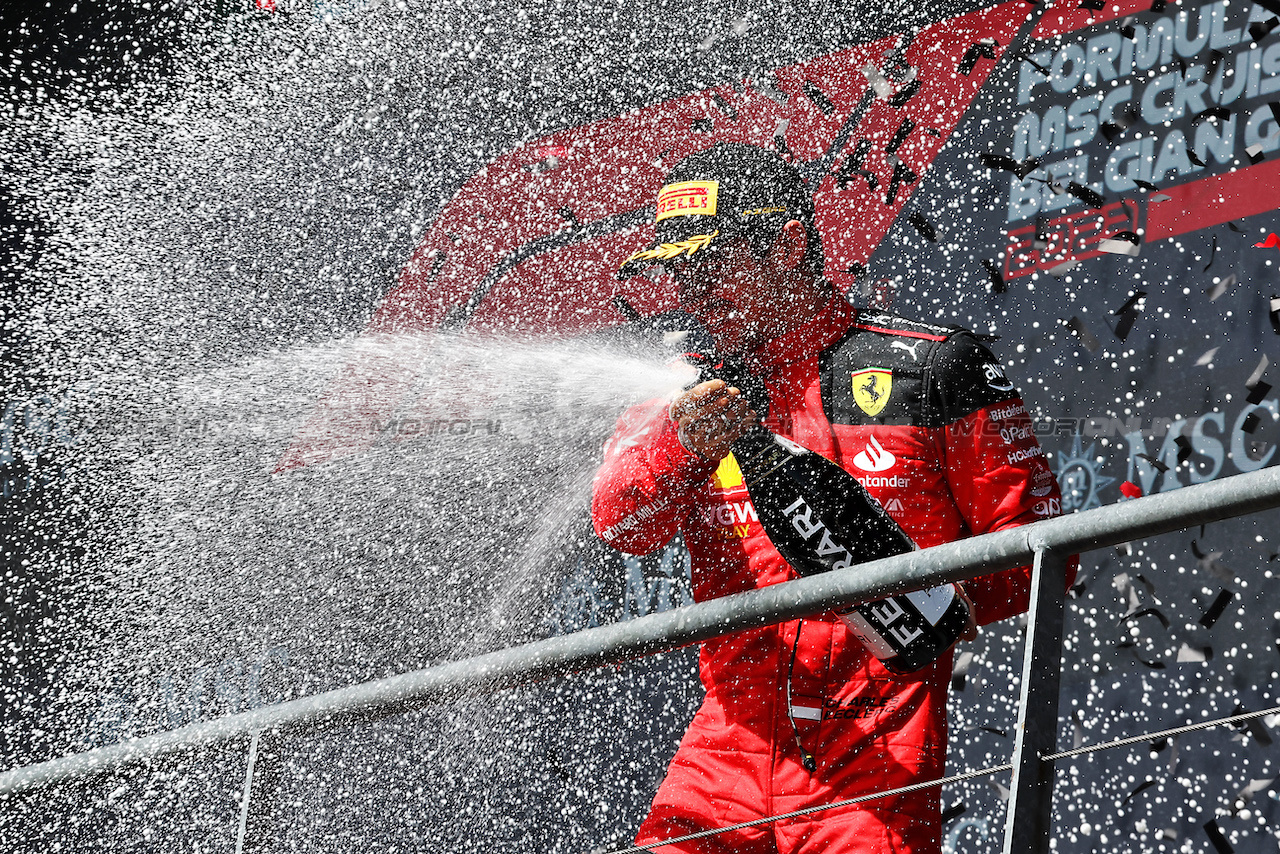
x,y
820,518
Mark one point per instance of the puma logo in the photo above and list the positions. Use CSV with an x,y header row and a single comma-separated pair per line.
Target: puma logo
x,y
910,348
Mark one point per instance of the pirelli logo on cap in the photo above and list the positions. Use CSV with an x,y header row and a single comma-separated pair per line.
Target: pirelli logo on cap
x,y
688,197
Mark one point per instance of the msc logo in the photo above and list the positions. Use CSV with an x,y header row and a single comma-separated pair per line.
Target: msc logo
x,y
871,387
874,457
1081,477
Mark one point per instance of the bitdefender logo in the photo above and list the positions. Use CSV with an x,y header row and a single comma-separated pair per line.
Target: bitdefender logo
x,y
874,457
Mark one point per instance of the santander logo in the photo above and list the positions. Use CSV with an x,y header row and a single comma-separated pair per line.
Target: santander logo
x,y
874,458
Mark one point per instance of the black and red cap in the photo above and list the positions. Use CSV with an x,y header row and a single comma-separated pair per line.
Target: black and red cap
x,y
731,189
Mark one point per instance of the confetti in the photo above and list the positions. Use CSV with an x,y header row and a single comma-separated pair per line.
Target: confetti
x,y
1254,727
1193,157
1076,325
1194,655
1272,6
878,83
1126,588
901,173
960,670
1184,449
1044,230
1207,357
1122,243
1208,563
983,48
722,103
900,136
1026,57
780,137
1175,748
1272,242
1274,313
1261,369
1255,153
1085,194
1132,648
1259,30
872,179
1141,787
1119,124
854,160
819,98
922,225
905,94
1148,612
1215,610
1220,287
1255,786
1250,423
1216,58
1127,314
1258,392
1131,303
1130,490
1213,253
1220,843
1146,185
998,285
954,811
1063,268
1008,164
1157,464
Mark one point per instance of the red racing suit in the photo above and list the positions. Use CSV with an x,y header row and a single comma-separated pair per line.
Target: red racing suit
x,y
926,419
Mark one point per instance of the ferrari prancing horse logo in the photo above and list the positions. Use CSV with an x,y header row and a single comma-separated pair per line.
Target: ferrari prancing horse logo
x,y
871,387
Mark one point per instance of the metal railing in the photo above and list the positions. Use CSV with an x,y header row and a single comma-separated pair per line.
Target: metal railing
x,y
1046,544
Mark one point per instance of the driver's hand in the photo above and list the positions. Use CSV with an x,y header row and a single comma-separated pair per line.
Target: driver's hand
x,y
711,415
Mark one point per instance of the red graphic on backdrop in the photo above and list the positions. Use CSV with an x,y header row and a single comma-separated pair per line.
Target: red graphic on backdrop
x,y
532,243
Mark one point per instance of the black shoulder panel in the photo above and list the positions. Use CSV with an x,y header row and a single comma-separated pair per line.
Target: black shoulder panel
x,y
891,370
964,377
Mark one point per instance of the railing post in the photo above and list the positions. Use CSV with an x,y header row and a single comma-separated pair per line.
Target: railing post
x,y
1031,791
242,832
